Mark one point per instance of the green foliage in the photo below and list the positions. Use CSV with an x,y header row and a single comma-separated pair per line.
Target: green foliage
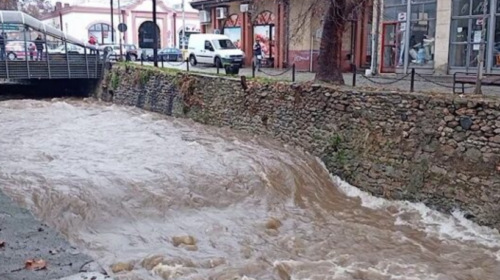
x,y
115,81
335,142
144,77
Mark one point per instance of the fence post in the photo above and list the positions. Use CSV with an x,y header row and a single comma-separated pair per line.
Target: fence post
x,y
353,68
412,82
217,66
142,60
253,69
187,64
293,72
162,66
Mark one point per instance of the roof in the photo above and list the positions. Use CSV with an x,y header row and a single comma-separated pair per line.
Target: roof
x,y
17,17
202,4
209,36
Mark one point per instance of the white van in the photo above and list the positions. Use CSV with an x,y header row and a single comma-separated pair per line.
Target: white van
x,y
213,49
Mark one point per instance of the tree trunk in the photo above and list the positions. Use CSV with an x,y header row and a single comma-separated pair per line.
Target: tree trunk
x,y
329,61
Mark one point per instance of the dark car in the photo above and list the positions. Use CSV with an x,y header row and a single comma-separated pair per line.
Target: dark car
x,y
170,54
133,51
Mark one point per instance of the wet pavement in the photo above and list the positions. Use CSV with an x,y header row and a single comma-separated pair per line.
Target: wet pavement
x,y
423,83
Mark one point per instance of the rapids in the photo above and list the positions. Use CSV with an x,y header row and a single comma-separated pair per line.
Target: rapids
x,y
171,199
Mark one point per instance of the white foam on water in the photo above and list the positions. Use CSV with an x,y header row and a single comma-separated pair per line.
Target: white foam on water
x,y
445,227
382,270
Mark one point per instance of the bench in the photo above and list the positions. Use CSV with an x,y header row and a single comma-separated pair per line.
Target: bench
x,y
471,78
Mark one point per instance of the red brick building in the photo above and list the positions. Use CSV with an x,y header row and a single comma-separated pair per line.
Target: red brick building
x,y
275,23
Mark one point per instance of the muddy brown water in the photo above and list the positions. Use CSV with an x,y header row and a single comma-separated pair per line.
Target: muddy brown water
x,y
164,198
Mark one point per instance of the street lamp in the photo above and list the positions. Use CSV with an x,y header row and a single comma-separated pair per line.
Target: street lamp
x,y
112,23
155,36
183,27
120,21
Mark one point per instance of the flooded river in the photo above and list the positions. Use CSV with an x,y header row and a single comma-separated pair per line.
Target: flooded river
x,y
178,200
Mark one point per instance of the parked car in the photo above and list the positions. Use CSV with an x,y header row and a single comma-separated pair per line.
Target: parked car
x,y
72,49
133,51
15,50
168,54
113,51
213,49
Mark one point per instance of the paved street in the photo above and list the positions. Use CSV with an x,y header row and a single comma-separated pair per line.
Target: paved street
x,y
422,83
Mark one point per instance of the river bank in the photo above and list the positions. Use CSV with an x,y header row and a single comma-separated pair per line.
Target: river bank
x,y
442,150
23,238
154,197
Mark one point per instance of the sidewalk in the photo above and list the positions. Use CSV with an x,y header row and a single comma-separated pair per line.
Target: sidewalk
x,y
25,238
441,84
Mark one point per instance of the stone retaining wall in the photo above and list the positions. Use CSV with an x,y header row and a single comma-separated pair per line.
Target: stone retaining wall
x,y
443,151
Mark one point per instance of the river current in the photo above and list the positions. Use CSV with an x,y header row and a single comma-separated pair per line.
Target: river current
x,y
179,200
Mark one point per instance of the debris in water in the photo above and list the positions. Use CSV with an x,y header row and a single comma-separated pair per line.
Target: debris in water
x,y
121,267
2,243
34,264
186,240
273,223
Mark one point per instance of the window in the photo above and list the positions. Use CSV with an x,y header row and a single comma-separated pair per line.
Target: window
x,y
223,44
466,32
101,32
422,33
410,37
208,46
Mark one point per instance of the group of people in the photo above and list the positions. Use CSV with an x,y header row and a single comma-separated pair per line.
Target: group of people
x,y
35,47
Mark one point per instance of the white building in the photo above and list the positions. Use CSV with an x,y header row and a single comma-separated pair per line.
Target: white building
x,y
85,18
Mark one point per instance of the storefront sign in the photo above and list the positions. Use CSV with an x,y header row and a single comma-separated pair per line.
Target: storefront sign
x,y
10,27
477,39
402,26
402,16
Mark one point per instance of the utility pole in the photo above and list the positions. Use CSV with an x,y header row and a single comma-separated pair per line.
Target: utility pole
x,y
155,36
480,56
112,23
119,22
61,21
183,27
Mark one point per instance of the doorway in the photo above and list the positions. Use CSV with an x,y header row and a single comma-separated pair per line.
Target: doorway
x,y
146,35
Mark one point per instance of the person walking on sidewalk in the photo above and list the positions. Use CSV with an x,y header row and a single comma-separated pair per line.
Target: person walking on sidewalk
x,y
257,55
93,42
39,48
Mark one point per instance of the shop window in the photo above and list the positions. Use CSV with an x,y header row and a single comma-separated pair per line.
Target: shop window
x,y
422,34
264,30
232,29
466,33
418,29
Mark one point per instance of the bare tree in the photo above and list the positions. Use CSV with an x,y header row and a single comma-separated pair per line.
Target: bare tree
x,y
32,7
336,16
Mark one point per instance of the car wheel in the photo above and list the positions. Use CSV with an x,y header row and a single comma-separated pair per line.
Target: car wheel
x,y
11,56
218,62
133,57
192,60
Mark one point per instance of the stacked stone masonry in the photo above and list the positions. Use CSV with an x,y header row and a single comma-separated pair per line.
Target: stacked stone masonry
x,y
441,150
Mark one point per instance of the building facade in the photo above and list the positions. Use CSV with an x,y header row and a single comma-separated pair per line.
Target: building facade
x,y
89,18
288,34
439,37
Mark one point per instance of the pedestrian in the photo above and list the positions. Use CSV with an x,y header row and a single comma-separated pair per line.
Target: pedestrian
x,y
93,43
31,50
39,47
2,47
257,55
